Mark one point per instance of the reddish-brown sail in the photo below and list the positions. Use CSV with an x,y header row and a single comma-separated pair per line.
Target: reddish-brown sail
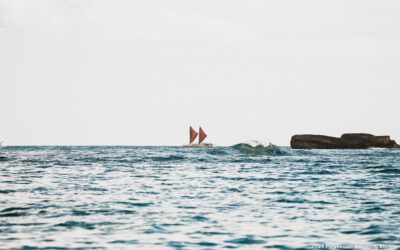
x,y
193,134
202,135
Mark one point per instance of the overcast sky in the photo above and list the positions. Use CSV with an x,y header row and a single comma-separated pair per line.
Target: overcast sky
x,y
81,72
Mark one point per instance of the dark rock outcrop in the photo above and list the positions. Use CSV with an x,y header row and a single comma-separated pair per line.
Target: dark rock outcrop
x,y
346,141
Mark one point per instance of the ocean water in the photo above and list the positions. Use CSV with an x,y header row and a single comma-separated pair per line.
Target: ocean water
x,y
185,198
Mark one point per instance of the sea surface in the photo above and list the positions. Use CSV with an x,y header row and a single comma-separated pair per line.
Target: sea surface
x,y
198,198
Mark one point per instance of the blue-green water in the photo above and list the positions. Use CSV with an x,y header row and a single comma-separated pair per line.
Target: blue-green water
x,y
175,197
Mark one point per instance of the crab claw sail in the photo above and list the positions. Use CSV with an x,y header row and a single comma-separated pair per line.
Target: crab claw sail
x,y
193,134
202,135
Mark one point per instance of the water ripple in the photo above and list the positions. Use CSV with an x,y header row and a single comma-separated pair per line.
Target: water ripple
x,y
175,197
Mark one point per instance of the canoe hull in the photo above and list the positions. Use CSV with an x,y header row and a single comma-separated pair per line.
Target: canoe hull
x,y
201,145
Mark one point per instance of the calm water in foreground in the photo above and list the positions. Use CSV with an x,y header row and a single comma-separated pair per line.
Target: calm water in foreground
x,y
175,197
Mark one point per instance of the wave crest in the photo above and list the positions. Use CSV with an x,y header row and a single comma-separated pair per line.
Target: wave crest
x,y
259,149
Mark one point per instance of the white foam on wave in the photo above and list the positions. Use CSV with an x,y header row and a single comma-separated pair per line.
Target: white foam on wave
x,y
255,143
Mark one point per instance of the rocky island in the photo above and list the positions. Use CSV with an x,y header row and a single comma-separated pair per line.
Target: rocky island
x,y
346,141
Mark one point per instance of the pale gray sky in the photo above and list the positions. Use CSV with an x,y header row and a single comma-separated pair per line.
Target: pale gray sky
x,y
81,72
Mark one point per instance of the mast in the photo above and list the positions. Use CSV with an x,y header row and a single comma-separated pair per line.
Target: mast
x,y
202,135
193,134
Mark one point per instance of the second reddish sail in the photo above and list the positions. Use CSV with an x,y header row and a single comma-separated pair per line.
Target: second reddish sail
x,y
202,135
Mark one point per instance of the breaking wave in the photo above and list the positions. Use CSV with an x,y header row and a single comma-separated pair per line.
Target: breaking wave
x,y
258,149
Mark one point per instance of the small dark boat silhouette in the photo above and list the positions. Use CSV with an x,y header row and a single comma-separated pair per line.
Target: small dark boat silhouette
x,y
193,134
